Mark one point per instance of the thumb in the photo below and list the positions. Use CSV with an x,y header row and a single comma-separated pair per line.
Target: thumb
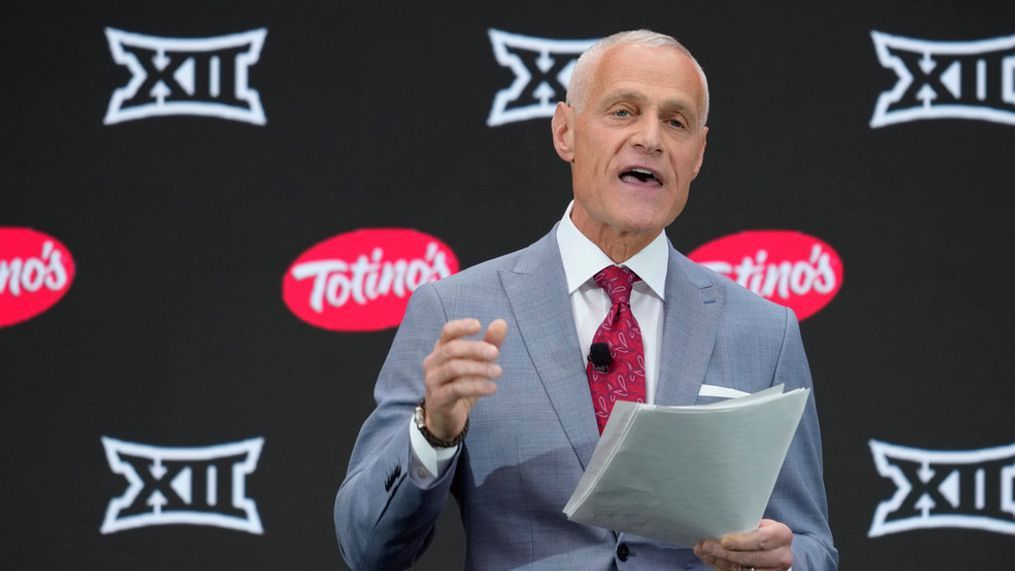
x,y
496,332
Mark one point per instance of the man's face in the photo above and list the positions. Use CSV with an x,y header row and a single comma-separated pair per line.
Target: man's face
x,y
636,144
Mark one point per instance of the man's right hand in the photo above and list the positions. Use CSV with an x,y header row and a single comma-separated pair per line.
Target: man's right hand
x,y
458,371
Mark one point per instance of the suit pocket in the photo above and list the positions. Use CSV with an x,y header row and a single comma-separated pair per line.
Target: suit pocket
x,y
718,392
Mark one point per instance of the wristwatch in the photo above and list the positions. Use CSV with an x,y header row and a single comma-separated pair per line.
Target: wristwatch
x,y
420,419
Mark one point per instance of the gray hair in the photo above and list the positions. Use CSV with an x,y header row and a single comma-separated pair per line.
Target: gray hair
x,y
581,75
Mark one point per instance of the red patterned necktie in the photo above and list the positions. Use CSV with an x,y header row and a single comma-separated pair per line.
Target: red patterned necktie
x,y
624,377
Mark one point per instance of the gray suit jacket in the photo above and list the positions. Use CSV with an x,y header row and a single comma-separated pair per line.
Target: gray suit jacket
x,y
529,443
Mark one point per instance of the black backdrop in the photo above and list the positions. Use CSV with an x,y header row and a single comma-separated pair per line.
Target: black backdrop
x,y
174,333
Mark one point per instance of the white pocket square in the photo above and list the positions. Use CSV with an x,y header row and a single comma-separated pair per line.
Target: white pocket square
x,y
721,392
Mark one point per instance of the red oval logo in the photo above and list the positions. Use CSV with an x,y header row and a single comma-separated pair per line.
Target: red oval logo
x,y
362,280
790,268
36,270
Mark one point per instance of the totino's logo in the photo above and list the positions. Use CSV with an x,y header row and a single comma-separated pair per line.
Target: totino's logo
x,y
197,486
963,488
361,281
542,69
178,76
36,270
940,80
789,268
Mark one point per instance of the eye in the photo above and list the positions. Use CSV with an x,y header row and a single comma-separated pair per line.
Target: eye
x,y
621,113
679,124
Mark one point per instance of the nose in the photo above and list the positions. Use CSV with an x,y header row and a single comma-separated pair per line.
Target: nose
x,y
647,134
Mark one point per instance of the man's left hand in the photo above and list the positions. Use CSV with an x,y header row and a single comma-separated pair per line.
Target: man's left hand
x,y
765,548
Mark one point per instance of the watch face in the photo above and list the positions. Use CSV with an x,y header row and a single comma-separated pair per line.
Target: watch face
x,y
418,417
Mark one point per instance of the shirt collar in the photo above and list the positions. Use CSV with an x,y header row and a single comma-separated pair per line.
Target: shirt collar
x,y
583,258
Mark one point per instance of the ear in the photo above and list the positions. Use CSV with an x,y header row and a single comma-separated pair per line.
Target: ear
x,y
701,152
562,129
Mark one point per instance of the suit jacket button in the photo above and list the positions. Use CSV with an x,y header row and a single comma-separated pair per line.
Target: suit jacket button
x,y
623,552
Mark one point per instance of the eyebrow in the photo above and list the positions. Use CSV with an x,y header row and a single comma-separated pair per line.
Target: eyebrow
x,y
668,106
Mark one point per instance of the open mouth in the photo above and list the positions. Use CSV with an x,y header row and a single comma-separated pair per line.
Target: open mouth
x,y
641,175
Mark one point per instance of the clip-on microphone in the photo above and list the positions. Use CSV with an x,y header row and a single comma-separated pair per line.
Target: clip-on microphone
x,y
600,356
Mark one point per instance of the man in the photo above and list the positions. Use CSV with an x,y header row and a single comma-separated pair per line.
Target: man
x,y
633,130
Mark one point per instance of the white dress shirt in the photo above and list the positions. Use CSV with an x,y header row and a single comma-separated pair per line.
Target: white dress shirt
x,y
589,303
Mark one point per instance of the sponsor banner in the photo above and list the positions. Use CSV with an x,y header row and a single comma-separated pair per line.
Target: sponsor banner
x,y
970,489
36,270
790,268
196,486
946,80
542,68
207,77
362,280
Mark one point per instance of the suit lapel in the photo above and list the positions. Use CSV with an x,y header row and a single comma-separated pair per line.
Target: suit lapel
x,y
537,291
690,324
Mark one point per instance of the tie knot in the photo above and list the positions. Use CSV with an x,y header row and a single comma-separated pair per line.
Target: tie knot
x,y
617,282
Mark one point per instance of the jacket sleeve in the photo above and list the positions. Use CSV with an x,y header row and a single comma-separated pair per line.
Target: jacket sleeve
x,y
384,515
798,499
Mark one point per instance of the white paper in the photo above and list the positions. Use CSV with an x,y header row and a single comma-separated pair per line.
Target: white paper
x,y
680,474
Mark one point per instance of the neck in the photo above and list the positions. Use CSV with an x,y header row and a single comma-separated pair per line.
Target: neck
x,y
618,246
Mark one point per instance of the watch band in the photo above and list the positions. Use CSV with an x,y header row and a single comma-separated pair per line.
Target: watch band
x,y
420,418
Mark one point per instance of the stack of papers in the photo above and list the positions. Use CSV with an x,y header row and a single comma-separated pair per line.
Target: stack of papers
x,y
681,474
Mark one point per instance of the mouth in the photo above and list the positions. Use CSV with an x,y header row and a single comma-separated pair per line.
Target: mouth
x,y
641,176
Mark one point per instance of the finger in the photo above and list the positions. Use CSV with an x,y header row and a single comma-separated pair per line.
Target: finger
x,y
720,564
749,541
496,332
459,328
459,391
770,534
714,554
709,552
467,349
461,368
699,552
470,387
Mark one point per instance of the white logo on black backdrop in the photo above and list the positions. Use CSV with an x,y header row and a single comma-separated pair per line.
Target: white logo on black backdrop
x,y
946,80
197,486
186,76
542,69
962,488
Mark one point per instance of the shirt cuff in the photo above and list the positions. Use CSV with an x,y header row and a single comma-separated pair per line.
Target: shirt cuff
x,y
428,463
